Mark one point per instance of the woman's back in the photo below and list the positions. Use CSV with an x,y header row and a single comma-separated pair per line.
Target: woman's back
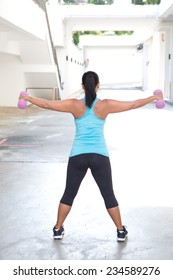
x,y
89,137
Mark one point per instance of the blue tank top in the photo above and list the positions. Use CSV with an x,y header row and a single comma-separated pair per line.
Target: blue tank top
x,y
89,137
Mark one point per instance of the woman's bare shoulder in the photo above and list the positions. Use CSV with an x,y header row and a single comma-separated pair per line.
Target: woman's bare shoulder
x,y
79,108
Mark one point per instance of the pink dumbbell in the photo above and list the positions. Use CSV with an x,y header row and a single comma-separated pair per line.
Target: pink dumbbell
x,y
22,104
160,103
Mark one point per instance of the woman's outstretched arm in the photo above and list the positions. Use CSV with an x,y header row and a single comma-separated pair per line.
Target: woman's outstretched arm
x,y
67,105
115,106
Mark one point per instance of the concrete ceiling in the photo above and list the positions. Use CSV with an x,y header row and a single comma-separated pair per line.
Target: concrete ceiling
x,y
105,18
166,10
142,20
14,33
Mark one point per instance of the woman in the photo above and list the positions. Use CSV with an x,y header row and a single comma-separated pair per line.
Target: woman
x,y
89,148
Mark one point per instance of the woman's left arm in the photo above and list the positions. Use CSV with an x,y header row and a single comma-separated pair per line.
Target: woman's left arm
x,y
115,106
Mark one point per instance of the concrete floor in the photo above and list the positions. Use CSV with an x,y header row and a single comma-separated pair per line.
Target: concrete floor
x,y
34,148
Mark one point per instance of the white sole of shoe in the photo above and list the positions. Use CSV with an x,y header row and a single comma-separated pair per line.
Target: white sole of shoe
x,y
121,239
58,237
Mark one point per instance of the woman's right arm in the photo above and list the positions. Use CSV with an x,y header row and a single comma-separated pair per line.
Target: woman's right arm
x,y
68,105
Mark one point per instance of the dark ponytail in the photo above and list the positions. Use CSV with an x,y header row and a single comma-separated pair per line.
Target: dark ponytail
x,y
90,80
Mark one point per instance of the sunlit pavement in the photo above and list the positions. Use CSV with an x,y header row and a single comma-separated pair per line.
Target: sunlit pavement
x,y
34,148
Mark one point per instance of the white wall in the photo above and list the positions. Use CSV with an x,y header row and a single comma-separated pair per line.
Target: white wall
x,y
57,24
115,65
11,79
70,60
72,70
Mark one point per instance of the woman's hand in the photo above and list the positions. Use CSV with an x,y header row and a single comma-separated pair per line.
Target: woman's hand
x,y
158,96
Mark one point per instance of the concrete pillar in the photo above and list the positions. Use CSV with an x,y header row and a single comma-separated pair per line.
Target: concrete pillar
x,y
155,62
146,65
171,66
167,35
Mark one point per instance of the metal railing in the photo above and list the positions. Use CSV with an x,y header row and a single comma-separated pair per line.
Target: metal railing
x,y
42,5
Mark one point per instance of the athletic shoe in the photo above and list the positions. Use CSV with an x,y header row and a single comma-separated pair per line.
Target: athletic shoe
x,y
122,234
58,233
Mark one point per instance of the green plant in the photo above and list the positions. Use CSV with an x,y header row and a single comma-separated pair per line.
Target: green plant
x,y
138,2
76,35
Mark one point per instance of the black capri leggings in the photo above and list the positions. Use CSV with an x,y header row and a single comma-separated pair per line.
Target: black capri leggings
x,y
101,171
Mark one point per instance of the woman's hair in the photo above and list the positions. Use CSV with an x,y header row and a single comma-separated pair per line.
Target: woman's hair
x,y
90,80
